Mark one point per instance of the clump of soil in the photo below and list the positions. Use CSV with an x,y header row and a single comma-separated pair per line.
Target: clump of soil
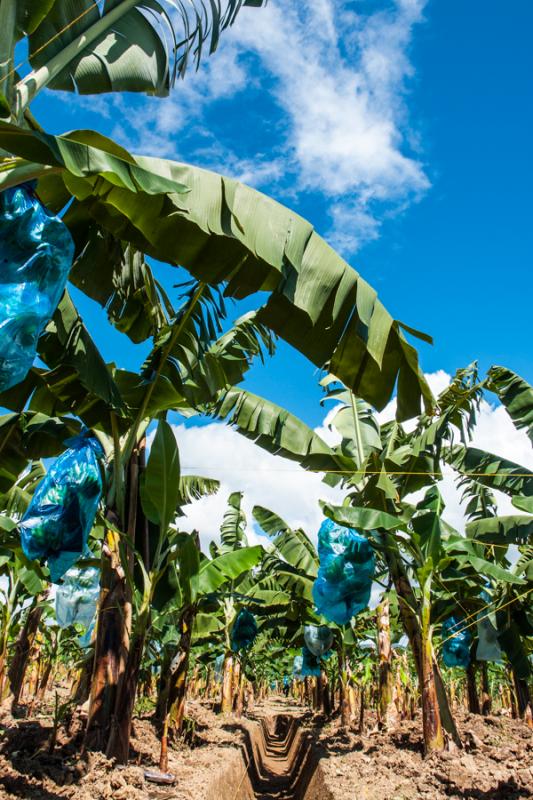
x,y
495,764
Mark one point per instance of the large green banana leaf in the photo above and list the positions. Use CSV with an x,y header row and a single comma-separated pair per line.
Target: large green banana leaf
x,y
223,232
515,394
123,45
512,529
491,470
278,431
294,546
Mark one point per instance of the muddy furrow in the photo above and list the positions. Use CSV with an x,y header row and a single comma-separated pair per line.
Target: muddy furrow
x,y
281,762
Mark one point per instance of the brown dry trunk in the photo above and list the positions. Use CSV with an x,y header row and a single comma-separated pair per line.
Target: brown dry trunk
x,y
236,681
23,646
178,687
116,670
523,699
226,704
387,713
361,710
351,701
82,688
431,719
471,689
486,699
326,702
111,646
308,691
239,699
118,745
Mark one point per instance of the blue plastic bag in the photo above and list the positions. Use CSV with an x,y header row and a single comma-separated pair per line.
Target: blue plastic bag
x,y
318,639
77,597
36,257
219,666
456,641
297,666
85,640
244,631
310,664
61,513
347,564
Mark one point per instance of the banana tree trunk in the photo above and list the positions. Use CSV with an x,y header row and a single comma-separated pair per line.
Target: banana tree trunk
x,y
523,699
111,647
118,746
6,618
486,699
236,683
178,689
431,720
23,646
226,705
471,688
343,688
82,687
410,621
326,702
387,714
116,669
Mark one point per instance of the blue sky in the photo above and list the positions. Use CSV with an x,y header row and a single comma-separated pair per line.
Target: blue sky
x,y
401,129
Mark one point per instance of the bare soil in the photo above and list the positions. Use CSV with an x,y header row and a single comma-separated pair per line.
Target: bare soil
x,y
280,752
495,764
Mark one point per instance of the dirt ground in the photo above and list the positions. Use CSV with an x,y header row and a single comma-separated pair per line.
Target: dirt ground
x,y
28,771
497,762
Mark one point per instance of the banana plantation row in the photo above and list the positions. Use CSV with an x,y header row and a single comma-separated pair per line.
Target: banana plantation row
x,y
232,622
91,489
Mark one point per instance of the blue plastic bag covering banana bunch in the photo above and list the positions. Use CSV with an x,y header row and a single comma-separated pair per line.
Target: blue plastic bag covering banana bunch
x,y
77,596
456,643
62,511
310,664
488,646
347,564
85,640
219,666
297,667
244,631
36,253
318,639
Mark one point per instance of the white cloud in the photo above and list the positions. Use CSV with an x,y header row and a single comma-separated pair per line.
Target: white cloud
x,y
338,123
217,451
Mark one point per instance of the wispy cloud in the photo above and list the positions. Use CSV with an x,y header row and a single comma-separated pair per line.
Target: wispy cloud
x,y
328,86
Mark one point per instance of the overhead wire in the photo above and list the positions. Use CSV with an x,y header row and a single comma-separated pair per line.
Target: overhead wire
x,y
370,472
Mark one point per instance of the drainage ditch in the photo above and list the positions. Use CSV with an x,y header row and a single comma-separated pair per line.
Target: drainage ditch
x,y
277,762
